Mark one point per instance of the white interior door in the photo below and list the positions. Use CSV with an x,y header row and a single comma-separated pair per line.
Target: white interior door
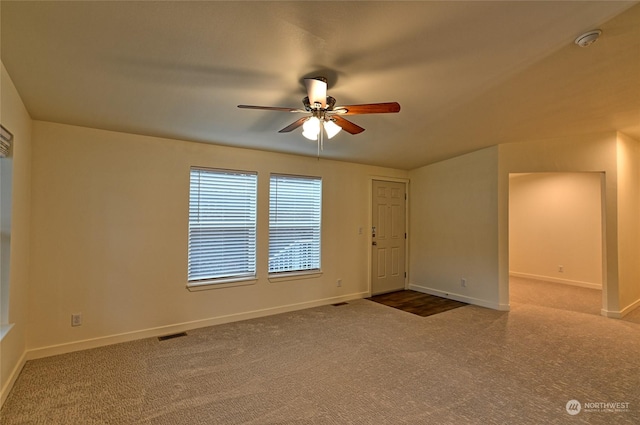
x,y
388,236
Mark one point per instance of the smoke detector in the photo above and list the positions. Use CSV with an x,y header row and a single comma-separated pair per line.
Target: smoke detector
x,y
588,38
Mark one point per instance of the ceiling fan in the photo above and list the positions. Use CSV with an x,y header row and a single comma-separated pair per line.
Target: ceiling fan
x,y
324,114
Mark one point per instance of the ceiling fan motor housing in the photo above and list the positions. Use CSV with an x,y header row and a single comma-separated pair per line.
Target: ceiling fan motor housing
x,y
331,101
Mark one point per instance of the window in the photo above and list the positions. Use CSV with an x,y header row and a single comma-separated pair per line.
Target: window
x,y
6,201
294,223
6,177
222,225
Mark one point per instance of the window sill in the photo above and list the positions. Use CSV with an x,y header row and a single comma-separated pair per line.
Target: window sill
x,y
287,276
4,330
221,283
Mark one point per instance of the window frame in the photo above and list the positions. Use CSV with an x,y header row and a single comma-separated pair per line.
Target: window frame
x,y
277,275
6,203
232,279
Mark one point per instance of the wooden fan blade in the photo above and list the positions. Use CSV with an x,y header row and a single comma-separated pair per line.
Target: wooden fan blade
x,y
347,125
316,90
271,108
294,125
369,108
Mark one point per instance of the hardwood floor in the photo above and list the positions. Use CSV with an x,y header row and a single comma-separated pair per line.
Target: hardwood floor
x,y
416,302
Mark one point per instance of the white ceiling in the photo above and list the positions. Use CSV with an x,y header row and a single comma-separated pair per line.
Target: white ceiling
x,y
467,74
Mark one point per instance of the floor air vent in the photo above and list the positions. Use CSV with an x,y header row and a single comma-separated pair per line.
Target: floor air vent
x,y
166,337
339,304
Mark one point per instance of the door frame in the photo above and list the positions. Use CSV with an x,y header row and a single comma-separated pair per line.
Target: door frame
x,y
370,224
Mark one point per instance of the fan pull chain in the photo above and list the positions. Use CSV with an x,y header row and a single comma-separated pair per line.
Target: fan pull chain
x,y
320,141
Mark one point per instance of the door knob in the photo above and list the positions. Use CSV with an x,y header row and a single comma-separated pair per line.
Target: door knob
x,y
374,243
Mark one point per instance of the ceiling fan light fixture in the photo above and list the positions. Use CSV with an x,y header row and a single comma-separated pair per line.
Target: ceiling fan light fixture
x,y
331,128
311,128
310,136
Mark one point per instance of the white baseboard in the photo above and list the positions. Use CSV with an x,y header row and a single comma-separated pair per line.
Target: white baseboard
x,y
13,376
53,350
556,280
611,314
620,314
459,297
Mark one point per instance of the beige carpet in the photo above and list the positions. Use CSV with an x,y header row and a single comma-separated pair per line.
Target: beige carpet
x,y
561,297
360,363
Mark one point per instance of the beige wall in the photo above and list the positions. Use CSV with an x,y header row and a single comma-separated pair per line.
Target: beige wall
x,y
555,220
454,228
459,217
109,226
15,117
589,153
628,151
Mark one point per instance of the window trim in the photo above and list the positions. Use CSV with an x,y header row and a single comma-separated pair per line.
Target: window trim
x,y
203,285
6,203
279,276
295,275
4,330
240,279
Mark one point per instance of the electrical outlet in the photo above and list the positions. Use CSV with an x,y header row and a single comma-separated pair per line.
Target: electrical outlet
x,y
76,319
561,269
463,282
339,283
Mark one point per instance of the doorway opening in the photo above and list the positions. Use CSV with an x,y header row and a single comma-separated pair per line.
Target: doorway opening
x,y
556,228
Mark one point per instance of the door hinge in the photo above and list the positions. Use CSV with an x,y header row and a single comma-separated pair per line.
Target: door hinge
x,y
405,235
405,275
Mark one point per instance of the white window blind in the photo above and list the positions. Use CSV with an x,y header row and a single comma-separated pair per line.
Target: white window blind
x,y
222,224
294,223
